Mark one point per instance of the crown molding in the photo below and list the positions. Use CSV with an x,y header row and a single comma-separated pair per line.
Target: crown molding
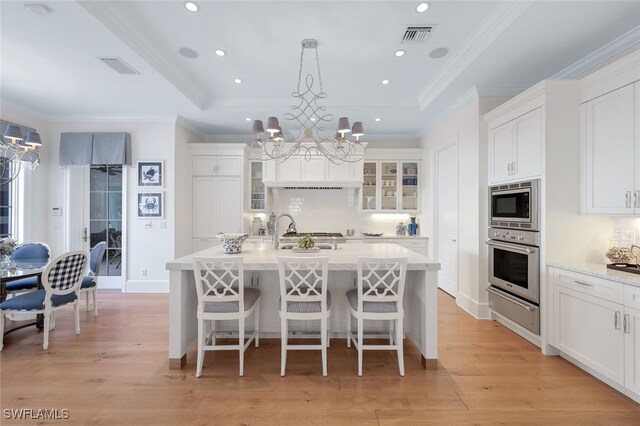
x,y
287,102
494,24
456,106
135,39
595,58
503,90
186,124
229,138
21,109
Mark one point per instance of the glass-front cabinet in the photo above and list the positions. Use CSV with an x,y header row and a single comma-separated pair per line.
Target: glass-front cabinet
x,y
370,186
257,201
390,186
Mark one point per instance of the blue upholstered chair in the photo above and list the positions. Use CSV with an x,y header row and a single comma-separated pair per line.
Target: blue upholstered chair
x,y
90,282
37,253
61,280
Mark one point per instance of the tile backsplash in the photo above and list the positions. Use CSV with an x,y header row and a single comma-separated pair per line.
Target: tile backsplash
x,y
331,210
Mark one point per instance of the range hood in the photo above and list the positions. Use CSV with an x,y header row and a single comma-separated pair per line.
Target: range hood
x,y
312,184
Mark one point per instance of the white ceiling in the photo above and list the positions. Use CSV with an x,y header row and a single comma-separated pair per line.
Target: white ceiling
x,y
49,64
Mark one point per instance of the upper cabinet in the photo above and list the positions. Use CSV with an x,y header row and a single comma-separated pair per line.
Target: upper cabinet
x,y
390,186
217,165
515,148
257,201
611,146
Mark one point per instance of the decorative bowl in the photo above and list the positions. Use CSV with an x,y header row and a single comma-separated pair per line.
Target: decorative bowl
x,y
232,243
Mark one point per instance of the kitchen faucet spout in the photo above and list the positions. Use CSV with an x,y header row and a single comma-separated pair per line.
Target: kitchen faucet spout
x,y
292,228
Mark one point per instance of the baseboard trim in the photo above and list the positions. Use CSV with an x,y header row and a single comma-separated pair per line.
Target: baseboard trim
x,y
478,310
518,329
147,286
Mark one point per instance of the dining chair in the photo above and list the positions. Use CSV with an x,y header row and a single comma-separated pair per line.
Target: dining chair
x,y
90,282
61,280
304,296
223,296
378,296
38,253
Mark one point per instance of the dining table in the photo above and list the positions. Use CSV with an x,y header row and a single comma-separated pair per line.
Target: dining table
x,y
18,270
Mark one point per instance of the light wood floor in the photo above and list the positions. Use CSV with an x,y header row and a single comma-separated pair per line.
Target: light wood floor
x,y
116,372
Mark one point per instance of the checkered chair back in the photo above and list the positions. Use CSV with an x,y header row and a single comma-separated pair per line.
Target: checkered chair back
x,y
31,252
381,280
95,257
304,279
64,274
219,280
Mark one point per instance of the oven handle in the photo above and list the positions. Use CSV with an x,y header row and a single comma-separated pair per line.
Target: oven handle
x,y
511,247
515,302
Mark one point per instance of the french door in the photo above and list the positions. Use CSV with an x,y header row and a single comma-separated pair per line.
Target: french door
x,y
96,204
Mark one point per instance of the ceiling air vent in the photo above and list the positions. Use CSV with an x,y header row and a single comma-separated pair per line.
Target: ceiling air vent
x,y
118,65
417,33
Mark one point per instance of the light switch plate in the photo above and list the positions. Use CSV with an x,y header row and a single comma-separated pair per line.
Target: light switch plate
x,y
147,225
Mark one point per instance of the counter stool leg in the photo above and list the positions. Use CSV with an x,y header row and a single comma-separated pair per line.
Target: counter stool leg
x,y
359,344
241,345
257,324
283,341
323,342
391,332
348,329
200,348
400,344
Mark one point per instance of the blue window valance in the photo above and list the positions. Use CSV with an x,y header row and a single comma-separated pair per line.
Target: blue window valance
x,y
85,149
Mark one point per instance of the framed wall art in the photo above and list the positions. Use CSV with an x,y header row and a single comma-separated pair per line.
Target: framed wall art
x,y
150,205
150,173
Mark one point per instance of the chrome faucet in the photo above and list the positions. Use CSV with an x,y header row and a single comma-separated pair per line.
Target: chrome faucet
x,y
291,228
631,252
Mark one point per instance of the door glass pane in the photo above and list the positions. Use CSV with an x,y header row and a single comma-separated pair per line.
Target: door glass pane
x,y
257,187
389,197
106,204
409,186
369,186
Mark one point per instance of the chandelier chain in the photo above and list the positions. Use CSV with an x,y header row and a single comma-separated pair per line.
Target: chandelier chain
x,y
319,75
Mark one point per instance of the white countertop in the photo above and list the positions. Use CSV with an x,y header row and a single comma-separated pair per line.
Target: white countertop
x,y
599,270
263,257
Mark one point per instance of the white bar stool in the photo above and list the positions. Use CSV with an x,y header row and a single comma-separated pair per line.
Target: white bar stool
x,y
304,296
378,296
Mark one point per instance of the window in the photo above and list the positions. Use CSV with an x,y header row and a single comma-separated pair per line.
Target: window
x,y
7,202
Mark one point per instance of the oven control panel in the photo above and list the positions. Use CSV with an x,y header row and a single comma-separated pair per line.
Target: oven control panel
x,y
531,238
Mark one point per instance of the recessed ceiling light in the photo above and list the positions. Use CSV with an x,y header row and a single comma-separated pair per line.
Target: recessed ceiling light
x,y
400,52
313,119
439,52
247,119
220,52
237,81
191,6
385,81
188,53
377,119
422,7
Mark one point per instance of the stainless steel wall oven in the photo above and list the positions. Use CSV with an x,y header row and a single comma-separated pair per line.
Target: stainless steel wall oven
x,y
514,253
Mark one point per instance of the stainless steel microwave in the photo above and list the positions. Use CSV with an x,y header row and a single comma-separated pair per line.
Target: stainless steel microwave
x,y
515,205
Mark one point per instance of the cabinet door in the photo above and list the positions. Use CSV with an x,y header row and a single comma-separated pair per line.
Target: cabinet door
x,y
205,212
389,186
204,165
290,170
229,204
313,169
590,330
229,166
501,155
370,186
409,186
632,350
608,134
528,134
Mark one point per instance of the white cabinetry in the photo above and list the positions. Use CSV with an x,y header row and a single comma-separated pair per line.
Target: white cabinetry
x,y
515,148
216,198
611,147
314,171
596,321
417,244
390,186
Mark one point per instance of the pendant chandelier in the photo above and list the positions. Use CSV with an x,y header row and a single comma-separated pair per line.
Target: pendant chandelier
x,y
18,151
308,118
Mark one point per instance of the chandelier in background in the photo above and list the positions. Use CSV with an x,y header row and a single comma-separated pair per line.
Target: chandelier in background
x,y
17,151
308,118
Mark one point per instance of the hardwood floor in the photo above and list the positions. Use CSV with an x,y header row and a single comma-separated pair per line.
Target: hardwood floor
x,y
116,373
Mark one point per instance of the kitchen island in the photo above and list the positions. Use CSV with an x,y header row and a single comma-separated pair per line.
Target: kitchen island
x,y
261,270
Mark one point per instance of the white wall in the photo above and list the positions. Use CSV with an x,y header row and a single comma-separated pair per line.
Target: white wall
x,y
183,190
146,249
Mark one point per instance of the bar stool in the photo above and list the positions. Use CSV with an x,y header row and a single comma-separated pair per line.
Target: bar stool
x,y
304,296
222,296
378,296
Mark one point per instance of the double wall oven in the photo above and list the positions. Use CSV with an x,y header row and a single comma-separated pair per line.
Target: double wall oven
x,y
514,252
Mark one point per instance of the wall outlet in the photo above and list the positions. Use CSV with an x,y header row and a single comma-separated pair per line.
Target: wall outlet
x,y
144,272
163,225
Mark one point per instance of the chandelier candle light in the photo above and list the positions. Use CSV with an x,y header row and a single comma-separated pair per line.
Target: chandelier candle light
x,y
17,151
308,118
